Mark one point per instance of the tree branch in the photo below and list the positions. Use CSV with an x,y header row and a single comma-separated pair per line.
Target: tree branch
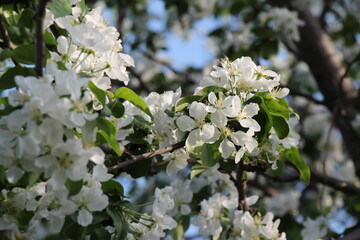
x,y
39,34
145,156
6,39
241,187
316,177
171,68
353,235
319,52
141,81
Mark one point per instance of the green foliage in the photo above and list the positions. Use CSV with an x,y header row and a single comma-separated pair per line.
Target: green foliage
x,y
7,79
120,223
183,102
117,109
131,96
197,169
113,188
293,155
99,93
209,154
60,8
280,126
24,54
74,187
108,131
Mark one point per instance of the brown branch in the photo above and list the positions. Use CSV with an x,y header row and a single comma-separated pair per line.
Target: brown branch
x,y
353,235
145,156
337,184
319,52
39,41
171,68
6,39
316,177
296,92
347,70
139,77
241,187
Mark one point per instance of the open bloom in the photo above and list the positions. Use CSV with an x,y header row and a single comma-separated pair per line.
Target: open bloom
x,y
200,130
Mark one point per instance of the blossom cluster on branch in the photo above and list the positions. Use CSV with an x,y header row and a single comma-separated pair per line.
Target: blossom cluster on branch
x,y
56,131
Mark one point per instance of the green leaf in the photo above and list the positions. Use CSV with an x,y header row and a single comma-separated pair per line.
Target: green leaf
x,y
4,100
197,169
113,143
83,7
281,127
293,155
117,109
108,131
60,8
71,229
119,222
263,117
113,188
276,107
182,103
100,234
7,79
210,154
74,187
27,18
26,54
183,224
106,125
131,96
5,53
24,219
49,39
99,93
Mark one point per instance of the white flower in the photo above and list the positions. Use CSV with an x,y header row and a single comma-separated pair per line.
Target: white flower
x,y
163,200
283,203
177,161
284,21
314,229
89,200
239,138
200,130
245,113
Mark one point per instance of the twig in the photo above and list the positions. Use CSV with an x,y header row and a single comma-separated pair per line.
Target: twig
x,y
139,77
171,68
337,184
301,94
6,39
347,70
145,156
316,177
241,187
39,42
353,235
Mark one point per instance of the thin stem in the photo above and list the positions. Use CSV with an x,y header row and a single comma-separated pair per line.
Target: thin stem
x,y
6,39
241,187
145,156
39,41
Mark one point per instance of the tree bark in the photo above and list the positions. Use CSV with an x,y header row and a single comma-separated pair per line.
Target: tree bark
x,y
318,51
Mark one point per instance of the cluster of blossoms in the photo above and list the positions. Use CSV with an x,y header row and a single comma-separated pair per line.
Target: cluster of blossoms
x,y
39,140
50,136
170,202
284,21
50,140
229,115
219,216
